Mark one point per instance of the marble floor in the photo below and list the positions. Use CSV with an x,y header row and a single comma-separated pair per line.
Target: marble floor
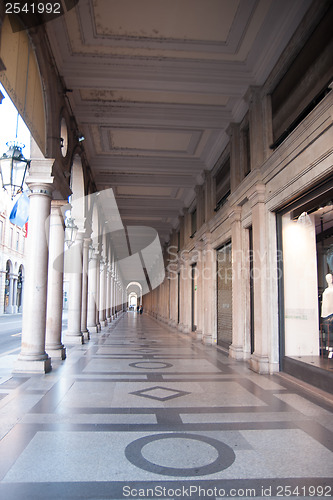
x,y
140,411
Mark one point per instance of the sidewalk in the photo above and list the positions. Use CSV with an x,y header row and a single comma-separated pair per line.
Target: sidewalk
x,y
141,411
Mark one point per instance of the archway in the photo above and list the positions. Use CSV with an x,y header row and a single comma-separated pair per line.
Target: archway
x,y
132,301
134,294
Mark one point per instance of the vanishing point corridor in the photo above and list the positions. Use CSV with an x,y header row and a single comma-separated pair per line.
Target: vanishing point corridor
x,y
142,411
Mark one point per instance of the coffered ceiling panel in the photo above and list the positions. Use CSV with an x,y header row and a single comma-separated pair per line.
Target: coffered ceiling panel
x,y
155,84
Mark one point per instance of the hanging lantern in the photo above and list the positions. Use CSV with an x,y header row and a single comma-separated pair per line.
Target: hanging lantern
x,y
70,231
13,168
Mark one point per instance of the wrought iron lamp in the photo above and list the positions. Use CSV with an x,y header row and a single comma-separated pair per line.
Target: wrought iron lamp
x,y
70,231
13,168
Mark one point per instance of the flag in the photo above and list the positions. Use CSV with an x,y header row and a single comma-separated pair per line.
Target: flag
x,y
20,211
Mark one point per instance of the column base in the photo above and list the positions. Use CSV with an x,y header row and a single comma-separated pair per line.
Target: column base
x,y
198,334
236,352
57,353
109,319
92,329
73,339
86,335
259,363
207,339
32,366
186,329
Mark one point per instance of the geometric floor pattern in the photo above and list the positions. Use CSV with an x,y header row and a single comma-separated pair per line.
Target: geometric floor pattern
x,y
140,411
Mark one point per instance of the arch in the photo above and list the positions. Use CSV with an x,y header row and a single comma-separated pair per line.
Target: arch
x,y
134,283
21,65
134,288
132,300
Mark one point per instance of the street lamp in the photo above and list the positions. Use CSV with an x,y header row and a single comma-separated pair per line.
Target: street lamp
x,y
70,231
13,168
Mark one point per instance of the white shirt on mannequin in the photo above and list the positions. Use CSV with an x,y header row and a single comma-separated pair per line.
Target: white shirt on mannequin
x,y
327,304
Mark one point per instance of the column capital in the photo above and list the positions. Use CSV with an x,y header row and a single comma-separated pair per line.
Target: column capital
x,y
56,204
232,128
40,171
207,239
235,214
253,92
257,195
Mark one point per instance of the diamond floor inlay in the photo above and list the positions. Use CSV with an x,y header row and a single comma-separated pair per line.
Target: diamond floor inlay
x,y
160,393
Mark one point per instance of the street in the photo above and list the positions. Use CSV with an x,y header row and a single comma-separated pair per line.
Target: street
x,y
10,332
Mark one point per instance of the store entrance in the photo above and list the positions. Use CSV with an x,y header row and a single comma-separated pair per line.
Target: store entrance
x,y
224,296
305,263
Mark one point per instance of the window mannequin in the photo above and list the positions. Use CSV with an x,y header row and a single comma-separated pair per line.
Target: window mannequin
x,y
327,304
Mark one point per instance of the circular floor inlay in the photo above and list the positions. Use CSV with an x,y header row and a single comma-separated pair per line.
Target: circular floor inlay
x,y
150,365
189,454
180,453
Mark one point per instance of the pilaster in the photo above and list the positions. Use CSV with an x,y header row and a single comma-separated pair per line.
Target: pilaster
x,y
259,361
236,349
209,290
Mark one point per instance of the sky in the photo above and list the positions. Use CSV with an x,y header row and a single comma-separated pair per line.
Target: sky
x,y
8,118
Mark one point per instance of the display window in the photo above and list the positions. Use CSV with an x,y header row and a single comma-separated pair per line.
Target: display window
x,y
305,264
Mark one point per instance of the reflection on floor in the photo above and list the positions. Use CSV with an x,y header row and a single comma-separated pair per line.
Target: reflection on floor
x,y
140,411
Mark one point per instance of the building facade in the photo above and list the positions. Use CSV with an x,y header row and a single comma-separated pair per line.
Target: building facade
x,y
12,243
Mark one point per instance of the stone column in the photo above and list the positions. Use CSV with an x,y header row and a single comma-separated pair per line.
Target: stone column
x,y
74,334
11,294
84,307
54,346
33,358
236,350
108,294
209,291
92,284
112,292
98,281
259,361
102,294
187,299
15,294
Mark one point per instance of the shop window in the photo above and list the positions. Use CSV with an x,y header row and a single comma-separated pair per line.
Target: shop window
x,y
306,293
222,184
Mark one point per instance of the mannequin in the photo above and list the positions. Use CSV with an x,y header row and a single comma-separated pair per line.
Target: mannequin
x,y
327,304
